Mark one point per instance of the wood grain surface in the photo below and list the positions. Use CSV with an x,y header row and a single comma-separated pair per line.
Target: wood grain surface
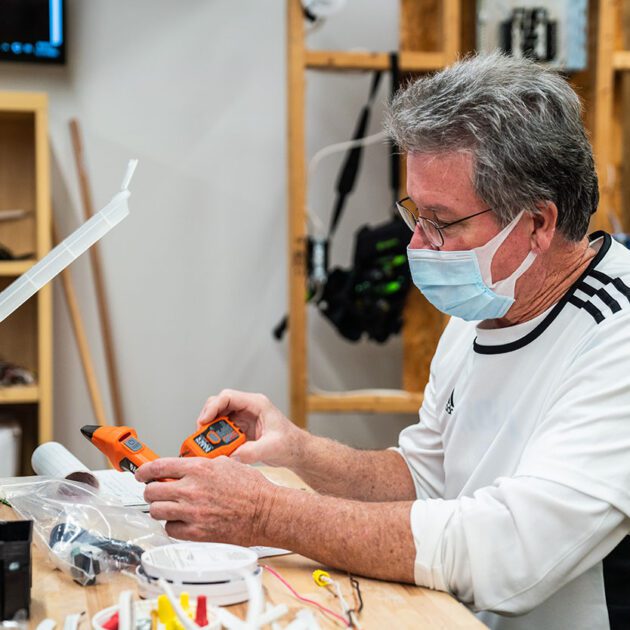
x,y
55,595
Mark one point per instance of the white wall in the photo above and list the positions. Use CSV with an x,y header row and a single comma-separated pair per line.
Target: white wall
x,y
197,274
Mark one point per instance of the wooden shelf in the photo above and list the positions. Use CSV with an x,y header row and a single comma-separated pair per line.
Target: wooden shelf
x,y
621,60
19,394
15,268
397,401
26,336
347,60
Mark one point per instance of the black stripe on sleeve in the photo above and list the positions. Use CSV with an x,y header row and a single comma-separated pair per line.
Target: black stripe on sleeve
x,y
601,293
600,275
589,307
605,279
621,287
608,300
587,288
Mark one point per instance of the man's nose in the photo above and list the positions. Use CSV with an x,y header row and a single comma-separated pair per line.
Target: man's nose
x,y
419,239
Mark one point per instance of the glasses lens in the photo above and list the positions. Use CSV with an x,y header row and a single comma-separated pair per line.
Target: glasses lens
x,y
434,236
407,212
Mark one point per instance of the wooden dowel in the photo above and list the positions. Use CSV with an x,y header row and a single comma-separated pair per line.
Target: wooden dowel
x,y
99,283
82,344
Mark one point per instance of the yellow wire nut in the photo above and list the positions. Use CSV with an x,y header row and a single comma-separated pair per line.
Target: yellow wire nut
x,y
321,578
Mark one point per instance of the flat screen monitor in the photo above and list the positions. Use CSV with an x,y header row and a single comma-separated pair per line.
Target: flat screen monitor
x,y
32,30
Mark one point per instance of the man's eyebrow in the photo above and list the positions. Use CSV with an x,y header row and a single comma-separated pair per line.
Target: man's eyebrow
x,y
443,212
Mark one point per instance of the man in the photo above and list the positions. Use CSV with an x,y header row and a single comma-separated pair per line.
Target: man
x,y
515,484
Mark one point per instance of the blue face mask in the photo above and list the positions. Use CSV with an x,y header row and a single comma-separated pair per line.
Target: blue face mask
x,y
459,283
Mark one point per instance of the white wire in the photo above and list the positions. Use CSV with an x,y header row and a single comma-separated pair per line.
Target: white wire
x,y
343,146
313,218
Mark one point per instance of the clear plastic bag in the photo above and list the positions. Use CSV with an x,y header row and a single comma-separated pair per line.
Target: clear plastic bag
x,y
84,534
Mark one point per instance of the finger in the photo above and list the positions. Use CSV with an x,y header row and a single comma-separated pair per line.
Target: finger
x,y
162,491
229,401
181,530
166,511
221,405
163,468
249,453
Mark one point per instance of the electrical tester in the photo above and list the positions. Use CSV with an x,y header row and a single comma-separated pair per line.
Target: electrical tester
x,y
126,452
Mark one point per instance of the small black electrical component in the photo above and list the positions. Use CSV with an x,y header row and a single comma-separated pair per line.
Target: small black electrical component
x,y
15,569
89,552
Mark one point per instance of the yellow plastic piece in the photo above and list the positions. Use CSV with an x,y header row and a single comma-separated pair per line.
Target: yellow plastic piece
x,y
167,615
165,610
184,600
321,578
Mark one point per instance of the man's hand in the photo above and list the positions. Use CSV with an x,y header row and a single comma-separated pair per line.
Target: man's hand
x,y
271,437
221,500
327,466
216,500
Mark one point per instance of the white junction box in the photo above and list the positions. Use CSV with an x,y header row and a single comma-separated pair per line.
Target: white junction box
x,y
10,442
553,32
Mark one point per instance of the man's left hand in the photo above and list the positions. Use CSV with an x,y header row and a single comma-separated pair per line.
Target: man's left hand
x,y
216,500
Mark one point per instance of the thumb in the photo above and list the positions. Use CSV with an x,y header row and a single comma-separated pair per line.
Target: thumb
x,y
248,453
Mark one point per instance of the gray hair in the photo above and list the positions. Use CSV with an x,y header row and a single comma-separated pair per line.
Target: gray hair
x,y
521,123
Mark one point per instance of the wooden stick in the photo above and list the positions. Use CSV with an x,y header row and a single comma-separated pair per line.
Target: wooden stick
x,y
99,283
298,365
82,344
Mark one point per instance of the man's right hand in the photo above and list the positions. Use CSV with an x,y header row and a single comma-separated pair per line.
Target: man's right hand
x,y
272,438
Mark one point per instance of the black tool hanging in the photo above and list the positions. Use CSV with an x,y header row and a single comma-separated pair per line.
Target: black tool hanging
x,y
350,169
368,298
394,159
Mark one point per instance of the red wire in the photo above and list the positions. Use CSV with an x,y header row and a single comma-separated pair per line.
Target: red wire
x,y
305,599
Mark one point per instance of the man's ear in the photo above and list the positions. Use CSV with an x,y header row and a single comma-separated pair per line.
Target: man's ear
x,y
543,226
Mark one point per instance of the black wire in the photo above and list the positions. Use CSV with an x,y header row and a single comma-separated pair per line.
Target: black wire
x,y
357,587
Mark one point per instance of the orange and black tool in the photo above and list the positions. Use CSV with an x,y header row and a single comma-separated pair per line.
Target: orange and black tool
x,y
126,452
220,437
120,445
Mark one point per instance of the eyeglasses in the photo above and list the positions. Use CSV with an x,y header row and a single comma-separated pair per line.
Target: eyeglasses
x,y
432,230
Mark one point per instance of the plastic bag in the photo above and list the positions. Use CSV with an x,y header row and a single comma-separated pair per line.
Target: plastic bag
x,y
84,534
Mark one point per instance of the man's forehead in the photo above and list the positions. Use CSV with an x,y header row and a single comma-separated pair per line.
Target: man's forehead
x,y
440,180
447,165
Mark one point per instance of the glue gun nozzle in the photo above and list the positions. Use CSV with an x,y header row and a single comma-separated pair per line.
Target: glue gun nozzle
x,y
88,430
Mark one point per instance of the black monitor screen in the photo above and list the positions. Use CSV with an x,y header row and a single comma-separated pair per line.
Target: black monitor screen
x,y
32,30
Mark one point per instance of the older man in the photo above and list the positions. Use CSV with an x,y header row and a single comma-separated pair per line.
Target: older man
x,y
514,486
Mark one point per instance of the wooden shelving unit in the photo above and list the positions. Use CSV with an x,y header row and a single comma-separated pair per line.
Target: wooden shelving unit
x,y
26,335
14,268
432,35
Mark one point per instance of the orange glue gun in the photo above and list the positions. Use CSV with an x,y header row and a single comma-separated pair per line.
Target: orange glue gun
x,y
126,452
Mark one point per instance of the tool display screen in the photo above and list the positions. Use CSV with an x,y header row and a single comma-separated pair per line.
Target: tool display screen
x,y
224,431
216,435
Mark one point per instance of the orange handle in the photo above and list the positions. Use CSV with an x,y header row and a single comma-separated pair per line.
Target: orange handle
x,y
120,445
219,437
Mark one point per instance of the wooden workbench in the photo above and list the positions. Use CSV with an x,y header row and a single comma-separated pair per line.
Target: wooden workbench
x,y
55,595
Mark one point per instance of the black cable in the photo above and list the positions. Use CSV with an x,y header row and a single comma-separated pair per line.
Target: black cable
x,y
394,164
357,587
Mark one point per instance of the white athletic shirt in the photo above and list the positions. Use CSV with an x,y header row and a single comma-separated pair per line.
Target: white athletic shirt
x,y
521,457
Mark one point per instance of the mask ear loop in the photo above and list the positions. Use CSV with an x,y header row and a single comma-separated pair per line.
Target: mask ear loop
x,y
486,253
507,286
